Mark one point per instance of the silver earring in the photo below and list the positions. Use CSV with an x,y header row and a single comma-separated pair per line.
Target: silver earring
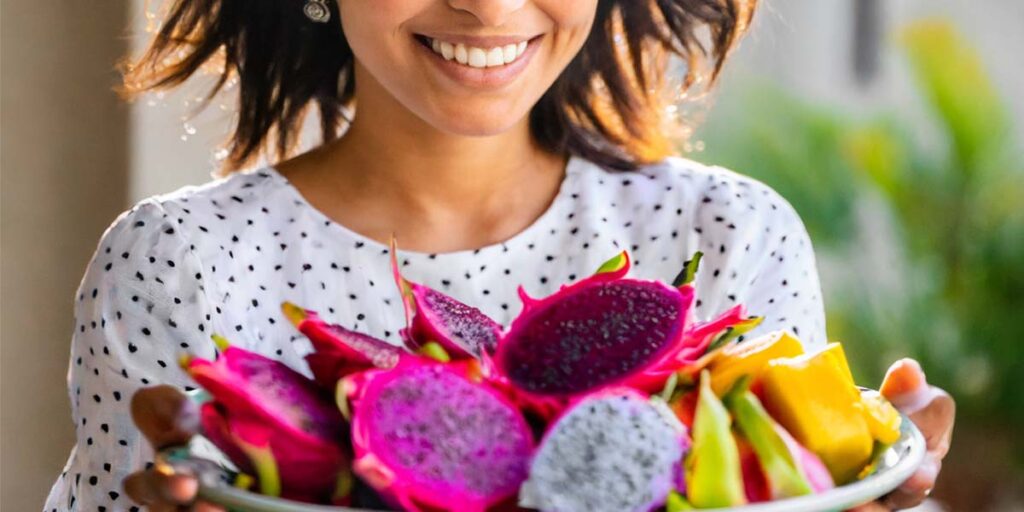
x,y
316,10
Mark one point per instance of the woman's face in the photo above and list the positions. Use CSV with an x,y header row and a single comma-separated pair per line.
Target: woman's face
x,y
468,67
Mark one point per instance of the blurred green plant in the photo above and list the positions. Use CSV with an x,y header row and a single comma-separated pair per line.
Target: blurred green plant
x,y
949,218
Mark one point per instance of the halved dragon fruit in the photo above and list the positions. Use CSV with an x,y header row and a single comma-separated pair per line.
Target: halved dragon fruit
x,y
606,330
613,450
273,422
339,351
431,316
427,435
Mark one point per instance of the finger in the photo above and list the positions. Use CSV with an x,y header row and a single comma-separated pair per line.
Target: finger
x,y
165,416
138,488
914,491
207,507
156,487
905,386
873,506
930,408
935,420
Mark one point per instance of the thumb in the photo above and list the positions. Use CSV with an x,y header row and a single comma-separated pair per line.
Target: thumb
x,y
165,416
906,386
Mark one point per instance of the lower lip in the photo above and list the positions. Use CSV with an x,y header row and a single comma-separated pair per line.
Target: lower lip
x,y
482,78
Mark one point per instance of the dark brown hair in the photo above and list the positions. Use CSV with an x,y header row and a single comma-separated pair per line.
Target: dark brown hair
x,y
608,106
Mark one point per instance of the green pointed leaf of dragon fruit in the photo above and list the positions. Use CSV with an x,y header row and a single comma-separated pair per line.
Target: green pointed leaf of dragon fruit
x,y
689,270
735,331
713,475
257,449
677,503
404,289
221,342
434,350
670,387
785,480
615,264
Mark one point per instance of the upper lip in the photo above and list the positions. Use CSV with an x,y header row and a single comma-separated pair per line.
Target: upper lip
x,y
479,41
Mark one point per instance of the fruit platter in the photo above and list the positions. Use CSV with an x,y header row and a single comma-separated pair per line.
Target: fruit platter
x,y
607,395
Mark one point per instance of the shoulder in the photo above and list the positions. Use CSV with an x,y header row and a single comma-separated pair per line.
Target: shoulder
x,y
709,195
716,189
168,226
190,209
232,194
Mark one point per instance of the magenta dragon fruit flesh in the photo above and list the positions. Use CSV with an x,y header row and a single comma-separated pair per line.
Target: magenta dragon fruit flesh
x,y
606,330
602,331
427,434
612,450
338,351
431,316
274,424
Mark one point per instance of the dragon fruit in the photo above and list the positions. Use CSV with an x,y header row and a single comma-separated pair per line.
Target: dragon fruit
x,y
431,316
339,351
606,330
612,450
430,434
782,464
275,423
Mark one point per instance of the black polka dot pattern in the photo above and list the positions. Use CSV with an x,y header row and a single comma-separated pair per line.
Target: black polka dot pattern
x,y
221,257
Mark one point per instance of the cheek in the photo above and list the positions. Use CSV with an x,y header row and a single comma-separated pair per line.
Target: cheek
x,y
373,28
572,21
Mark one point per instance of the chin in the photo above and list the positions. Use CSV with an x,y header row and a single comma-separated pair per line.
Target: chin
x,y
475,123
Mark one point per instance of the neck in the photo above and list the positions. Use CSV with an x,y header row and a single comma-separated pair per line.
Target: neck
x,y
389,147
403,175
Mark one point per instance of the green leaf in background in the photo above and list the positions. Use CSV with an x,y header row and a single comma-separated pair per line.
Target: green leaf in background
x,y
949,288
950,74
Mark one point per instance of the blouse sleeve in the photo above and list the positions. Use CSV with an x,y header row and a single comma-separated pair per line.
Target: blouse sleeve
x,y
763,258
140,304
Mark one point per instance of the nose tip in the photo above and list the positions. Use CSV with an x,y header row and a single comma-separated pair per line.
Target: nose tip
x,y
491,13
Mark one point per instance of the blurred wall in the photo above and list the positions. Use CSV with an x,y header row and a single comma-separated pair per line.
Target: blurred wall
x,y
806,46
64,164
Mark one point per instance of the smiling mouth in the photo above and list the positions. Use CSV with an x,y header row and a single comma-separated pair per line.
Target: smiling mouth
x,y
475,56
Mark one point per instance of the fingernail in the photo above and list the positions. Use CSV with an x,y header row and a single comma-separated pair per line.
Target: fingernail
x,y
187,419
183,488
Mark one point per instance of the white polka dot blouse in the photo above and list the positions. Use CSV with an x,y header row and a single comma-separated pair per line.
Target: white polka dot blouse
x,y
222,256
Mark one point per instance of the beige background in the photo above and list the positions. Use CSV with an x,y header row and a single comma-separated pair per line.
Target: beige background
x,y
72,157
64,158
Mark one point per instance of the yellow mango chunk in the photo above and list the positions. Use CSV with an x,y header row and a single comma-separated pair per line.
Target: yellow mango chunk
x,y
815,400
882,418
750,358
837,356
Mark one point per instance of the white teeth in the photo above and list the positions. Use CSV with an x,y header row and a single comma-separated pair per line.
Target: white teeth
x,y
478,57
447,50
508,53
495,57
460,54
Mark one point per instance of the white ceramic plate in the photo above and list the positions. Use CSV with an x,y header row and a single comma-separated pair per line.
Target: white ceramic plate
x,y
896,465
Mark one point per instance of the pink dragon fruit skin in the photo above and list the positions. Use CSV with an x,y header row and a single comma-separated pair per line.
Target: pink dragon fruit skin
x,y
614,449
339,351
426,435
273,422
809,464
463,331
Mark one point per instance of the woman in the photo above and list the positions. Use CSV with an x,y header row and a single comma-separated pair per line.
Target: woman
x,y
503,142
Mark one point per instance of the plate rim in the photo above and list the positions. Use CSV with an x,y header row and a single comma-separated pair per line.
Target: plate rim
x,y
910,447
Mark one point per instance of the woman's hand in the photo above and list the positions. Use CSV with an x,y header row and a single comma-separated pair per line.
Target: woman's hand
x,y
933,411
167,418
